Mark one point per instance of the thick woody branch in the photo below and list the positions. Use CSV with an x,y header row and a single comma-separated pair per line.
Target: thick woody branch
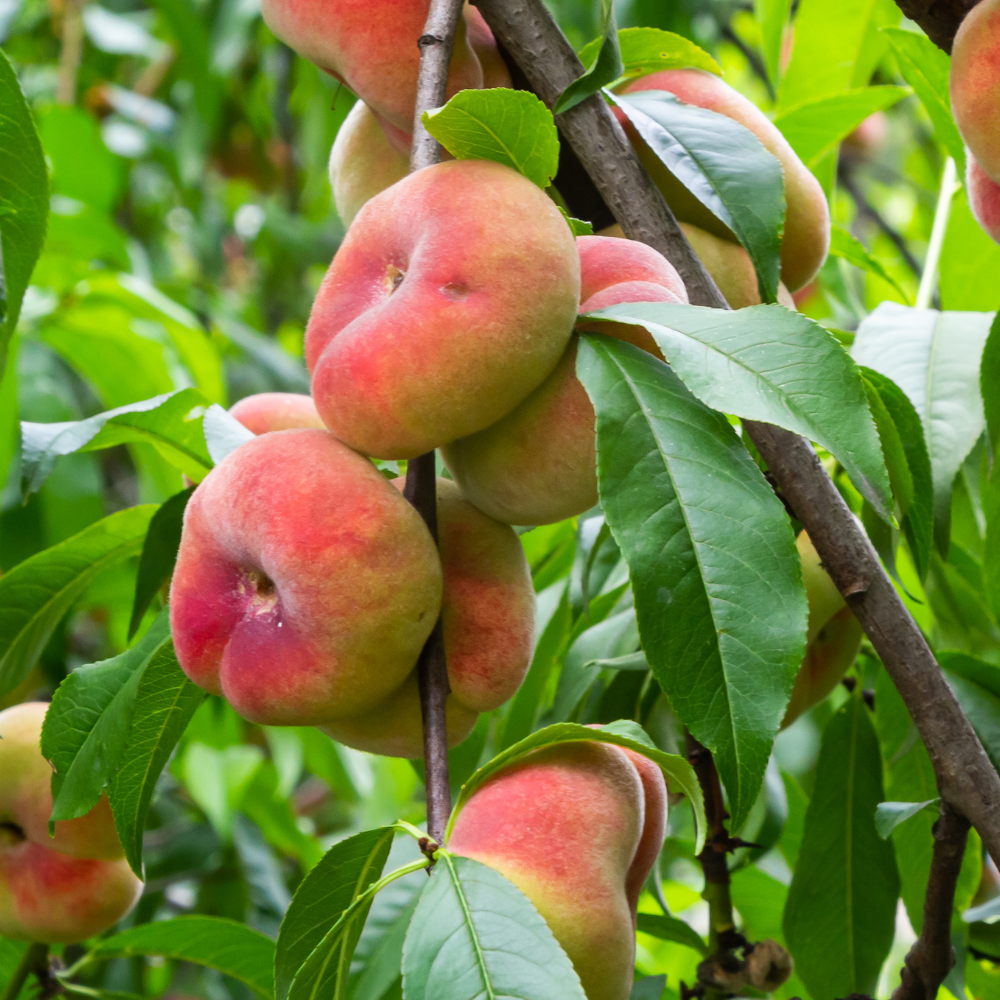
x,y
939,18
932,957
421,480
965,775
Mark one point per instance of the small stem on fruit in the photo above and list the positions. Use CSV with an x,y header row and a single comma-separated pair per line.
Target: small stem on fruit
x,y
35,960
928,280
931,958
421,477
964,773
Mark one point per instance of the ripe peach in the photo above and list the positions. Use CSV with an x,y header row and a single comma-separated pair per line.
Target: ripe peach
x,y
305,585
64,888
488,617
371,48
832,640
984,199
537,464
452,296
975,84
495,72
363,162
807,221
576,827
276,411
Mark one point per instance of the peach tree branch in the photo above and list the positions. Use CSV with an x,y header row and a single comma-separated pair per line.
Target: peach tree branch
x,y
421,478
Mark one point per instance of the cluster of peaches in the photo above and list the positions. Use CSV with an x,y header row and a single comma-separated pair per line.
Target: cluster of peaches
x,y
975,101
306,585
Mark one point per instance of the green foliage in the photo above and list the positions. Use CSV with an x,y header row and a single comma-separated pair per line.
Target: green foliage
x,y
841,909
24,205
511,127
606,68
714,571
724,165
844,245
449,952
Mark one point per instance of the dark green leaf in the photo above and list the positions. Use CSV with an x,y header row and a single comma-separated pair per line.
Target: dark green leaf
x,y
476,935
815,129
725,167
164,704
770,364
840,916
845,246
345,872
934,358
989,382
668,928
88,722
36,593
925,68
159,553
171,422
511,127
624,733
606,68
717,580
234,949
648,988
909,465
25,201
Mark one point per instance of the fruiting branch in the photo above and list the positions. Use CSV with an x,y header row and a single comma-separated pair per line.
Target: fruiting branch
x,y
421,477
35,960
939,18
964,773
931,958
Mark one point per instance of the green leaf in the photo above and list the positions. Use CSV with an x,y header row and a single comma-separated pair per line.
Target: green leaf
x,y
25,186
909,465
934,358
475,934
649,50
668,928
772,15
577,226
845,246
925,68
223,432
82,165
888,815
345,872
970,261
649,988
716,577
164,704
159,554
840,915
606,68
238,951
770,364
989,382
36,593
87,724
511,127
624,733
170,422
815,129
977,686
725,167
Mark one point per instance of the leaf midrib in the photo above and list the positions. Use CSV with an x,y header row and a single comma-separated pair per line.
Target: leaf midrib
x,y
473,934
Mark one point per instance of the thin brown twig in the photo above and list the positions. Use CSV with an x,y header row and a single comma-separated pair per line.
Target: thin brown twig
x,y
964,773
930,960
421,478
70,52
